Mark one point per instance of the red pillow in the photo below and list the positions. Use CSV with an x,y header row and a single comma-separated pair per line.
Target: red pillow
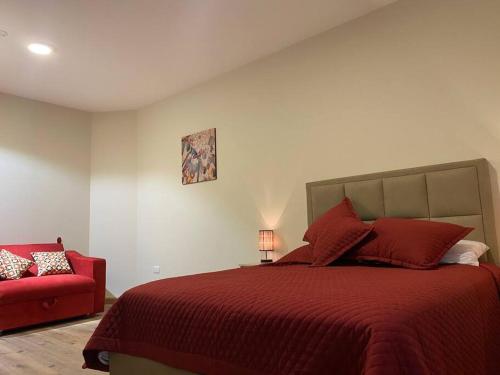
x,y
337,237
343,209
301,255
418,244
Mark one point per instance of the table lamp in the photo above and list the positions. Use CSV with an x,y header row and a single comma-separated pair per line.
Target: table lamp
x,y
266,243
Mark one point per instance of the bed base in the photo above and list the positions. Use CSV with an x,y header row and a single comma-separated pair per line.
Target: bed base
x,y
121,364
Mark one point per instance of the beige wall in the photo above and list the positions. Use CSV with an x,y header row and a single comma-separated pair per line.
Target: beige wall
x,y
44,173
113,198
415,83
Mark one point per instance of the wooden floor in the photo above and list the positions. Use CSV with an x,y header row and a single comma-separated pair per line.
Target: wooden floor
x,y
47,350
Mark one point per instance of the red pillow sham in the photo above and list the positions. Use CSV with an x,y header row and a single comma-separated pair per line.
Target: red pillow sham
x,y
337,237
301,255
343,209
418,244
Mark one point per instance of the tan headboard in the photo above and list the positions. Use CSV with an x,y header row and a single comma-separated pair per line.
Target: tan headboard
x,y
458,193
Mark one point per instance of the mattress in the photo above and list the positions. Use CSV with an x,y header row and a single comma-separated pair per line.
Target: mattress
x,y
295,319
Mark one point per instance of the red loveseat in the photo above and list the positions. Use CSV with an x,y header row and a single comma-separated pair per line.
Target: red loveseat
x,y
32,300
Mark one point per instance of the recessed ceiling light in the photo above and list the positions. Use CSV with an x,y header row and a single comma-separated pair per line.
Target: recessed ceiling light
x,y
40,48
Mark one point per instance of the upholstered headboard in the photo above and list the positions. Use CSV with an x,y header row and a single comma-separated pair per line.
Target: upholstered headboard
x,y
458,193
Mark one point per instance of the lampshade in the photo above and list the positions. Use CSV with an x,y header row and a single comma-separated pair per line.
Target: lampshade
x,y
266,240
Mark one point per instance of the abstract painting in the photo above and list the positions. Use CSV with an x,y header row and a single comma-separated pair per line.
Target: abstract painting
x,y
199,157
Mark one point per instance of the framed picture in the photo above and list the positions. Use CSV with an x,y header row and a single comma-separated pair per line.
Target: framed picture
x,y
199,157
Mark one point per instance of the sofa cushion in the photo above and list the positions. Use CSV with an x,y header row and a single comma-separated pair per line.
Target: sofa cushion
x,y
51,263
12,266
33,288
26,250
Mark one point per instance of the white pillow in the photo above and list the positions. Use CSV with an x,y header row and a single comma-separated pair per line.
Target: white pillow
x,y
465,252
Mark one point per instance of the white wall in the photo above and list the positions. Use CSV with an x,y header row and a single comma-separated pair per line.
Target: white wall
x,y
415,83
44,173
113,203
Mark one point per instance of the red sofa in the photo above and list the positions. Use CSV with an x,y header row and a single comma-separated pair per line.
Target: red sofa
x,y
32,300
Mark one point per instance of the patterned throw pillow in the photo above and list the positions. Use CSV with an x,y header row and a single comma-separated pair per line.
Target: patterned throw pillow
x,y
51,263
12,267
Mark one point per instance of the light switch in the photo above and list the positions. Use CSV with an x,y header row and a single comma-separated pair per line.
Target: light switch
x,y
156,269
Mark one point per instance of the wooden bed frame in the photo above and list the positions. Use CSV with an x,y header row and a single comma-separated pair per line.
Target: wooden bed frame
x,y
454,192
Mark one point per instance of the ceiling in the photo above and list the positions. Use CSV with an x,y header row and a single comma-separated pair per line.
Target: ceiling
x,y
124,54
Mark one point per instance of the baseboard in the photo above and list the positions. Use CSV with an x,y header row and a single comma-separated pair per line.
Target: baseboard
x,y
110,298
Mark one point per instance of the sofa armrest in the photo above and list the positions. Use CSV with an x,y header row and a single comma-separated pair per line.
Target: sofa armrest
x,y
94,268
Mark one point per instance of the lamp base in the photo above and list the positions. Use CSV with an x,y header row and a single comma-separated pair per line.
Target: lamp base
x,y
266,260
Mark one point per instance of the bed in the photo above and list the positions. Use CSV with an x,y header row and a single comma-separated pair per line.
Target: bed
x,y
344,319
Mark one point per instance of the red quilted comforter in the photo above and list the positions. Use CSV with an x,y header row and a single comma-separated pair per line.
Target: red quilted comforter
x,y
296,319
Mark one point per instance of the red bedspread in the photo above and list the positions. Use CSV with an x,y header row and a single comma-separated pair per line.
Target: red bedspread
x,y
304,320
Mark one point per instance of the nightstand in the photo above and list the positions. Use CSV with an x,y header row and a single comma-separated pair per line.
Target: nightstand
x,y
245,265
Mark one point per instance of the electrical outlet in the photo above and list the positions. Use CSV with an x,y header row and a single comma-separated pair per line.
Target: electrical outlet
x,y
156,269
